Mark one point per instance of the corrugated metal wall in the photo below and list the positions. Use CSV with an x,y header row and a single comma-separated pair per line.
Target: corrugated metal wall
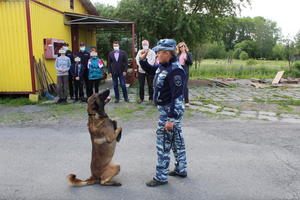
x,y
64,5
46,23
14,61
15,74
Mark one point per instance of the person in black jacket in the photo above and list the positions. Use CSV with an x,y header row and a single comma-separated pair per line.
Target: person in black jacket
x,y
185,59
84,57
117,69
77,76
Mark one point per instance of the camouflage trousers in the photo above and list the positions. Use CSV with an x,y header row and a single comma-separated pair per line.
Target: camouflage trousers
x,y
165,141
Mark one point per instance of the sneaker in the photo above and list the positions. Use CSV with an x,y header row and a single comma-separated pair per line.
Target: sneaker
x,y
64,100
127,100
116,100
187,105
59,101
154,183
174,173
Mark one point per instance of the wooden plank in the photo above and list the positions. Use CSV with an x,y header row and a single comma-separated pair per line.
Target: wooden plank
x,y
277,77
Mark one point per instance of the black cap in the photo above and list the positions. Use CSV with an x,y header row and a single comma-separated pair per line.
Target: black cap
x,y
66,44
81,44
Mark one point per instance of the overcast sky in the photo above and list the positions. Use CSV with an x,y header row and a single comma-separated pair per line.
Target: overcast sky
x,y
284,12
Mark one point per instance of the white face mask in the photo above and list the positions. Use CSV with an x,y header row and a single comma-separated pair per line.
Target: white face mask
x,y
82,48
66,48
116,48
77,59
145,47
94,54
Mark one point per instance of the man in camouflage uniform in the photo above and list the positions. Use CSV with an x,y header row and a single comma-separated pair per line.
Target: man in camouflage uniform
x,y
168,95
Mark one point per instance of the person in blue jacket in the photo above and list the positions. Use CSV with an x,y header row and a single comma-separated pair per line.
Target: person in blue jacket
x,y
168,85
95,69
77,76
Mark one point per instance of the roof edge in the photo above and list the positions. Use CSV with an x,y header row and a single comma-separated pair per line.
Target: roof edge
x,y
89,6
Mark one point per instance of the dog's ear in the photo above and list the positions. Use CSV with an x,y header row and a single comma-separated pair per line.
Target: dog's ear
x,y
91,99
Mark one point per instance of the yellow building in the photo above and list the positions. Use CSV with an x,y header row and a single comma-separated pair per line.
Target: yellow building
x,y
34,29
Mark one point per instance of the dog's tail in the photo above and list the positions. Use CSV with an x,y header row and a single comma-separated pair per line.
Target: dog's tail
x,y
75,182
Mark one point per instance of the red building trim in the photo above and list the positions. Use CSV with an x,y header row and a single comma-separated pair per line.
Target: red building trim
x,y
49,7
29,35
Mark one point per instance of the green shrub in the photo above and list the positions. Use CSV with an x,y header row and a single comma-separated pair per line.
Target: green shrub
x,y
251,62
244,55
296,65
215,50
236,53
296,69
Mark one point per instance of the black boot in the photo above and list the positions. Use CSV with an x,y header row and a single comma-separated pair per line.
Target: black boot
x,y
174,173
154,183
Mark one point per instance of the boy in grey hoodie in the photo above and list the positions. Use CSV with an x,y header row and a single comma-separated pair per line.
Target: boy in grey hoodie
x,y
62,65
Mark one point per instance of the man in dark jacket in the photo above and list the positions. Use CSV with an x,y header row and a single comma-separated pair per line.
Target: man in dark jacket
x,y
84,57
117,69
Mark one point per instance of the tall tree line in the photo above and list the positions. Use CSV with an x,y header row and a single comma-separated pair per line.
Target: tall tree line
x,y
210,28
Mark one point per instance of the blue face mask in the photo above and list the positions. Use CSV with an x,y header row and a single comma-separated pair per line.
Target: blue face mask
x,y
116,48
66,48
145,47
82,48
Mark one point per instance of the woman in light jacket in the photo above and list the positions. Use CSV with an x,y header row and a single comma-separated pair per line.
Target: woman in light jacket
x,y
186,60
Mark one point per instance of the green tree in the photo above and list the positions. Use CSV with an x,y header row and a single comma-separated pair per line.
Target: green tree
x,y
257,36
214,50
297,44
247,46
278,52
192,21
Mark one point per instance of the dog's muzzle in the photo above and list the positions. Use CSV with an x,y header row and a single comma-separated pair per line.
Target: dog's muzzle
x,y
107,99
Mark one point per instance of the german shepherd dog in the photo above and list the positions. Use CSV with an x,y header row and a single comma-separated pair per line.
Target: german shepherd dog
x,y
104,136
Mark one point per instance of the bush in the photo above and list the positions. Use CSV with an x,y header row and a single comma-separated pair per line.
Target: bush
x,y
296,65
251,62
215,50
296,69
236,53
244,55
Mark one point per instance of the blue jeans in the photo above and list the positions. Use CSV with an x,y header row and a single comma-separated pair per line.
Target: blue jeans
x,y
115,78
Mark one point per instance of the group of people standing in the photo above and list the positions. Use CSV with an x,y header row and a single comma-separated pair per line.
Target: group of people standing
x,y
86,69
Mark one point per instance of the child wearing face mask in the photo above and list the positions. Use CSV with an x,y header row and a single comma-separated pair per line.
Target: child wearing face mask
x,y
95,73
69,54
62,65
77,76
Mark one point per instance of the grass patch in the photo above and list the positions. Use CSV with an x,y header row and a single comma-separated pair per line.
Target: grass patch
x,y
286,102
282,96
16,101
211,68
